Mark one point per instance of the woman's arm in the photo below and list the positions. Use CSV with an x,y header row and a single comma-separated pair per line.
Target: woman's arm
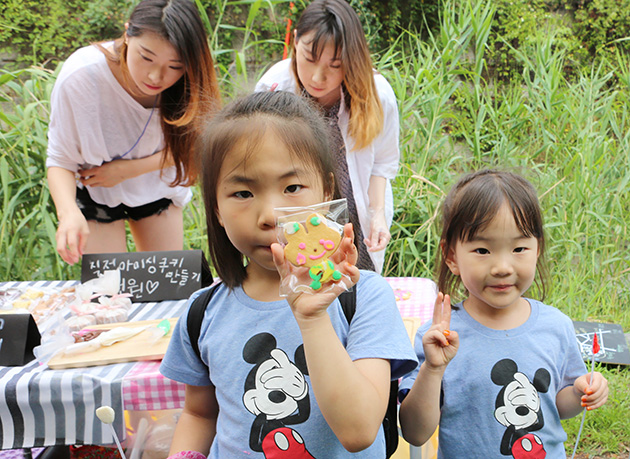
x,y
379,234
197,426
119,170
72,232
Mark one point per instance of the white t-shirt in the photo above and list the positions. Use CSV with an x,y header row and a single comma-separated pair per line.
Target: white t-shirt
x,y
93,120
380,158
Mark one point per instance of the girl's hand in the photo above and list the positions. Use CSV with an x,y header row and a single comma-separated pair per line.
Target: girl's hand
x,y
440,344
379,232
72,235
107,174
593,394
308,305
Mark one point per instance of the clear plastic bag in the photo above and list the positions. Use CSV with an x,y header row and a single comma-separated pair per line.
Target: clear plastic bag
x,y
310,236
150,433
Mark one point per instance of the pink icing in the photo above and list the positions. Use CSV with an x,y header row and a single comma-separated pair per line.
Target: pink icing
x,y
302,245
315,257
300,259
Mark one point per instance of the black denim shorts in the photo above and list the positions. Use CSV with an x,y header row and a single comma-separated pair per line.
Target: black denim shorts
x,y
105,214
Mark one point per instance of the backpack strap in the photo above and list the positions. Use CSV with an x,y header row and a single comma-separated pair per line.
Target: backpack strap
x,y
348,300
195,316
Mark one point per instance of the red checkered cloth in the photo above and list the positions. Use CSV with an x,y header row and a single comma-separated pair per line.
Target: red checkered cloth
x,y
144,388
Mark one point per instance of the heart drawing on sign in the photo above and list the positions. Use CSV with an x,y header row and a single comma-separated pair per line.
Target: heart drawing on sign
x,y
152,286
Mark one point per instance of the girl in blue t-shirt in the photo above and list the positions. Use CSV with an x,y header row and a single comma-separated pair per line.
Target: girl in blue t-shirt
x,y
280,376
498,371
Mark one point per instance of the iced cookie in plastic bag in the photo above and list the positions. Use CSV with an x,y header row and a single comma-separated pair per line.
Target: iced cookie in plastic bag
x,y
311,236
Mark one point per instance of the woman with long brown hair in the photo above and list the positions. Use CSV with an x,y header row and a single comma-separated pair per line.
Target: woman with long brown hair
x,y
122,131
331,64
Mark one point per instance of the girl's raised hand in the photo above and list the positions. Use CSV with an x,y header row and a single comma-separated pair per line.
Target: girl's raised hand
x,y
440,344
313,304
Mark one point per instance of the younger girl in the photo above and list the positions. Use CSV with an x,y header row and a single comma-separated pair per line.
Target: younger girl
x,y
331,64
122,130
499,371
280,376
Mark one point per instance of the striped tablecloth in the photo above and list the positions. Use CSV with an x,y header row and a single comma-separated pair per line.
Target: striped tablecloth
x,y
44,407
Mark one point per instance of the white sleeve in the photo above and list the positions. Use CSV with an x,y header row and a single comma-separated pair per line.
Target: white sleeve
x,y
281,74
63,136
386,144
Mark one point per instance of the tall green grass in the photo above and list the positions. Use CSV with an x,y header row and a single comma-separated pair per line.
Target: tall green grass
x,y
571,138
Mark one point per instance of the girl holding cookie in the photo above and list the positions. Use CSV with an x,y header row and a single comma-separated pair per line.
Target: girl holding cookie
x,y
280,374
122,129
331,65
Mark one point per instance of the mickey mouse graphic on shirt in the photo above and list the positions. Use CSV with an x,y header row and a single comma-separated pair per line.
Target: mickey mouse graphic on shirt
x,y
518,408
276,392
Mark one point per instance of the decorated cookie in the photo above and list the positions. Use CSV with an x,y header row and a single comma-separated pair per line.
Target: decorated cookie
x,y
311,246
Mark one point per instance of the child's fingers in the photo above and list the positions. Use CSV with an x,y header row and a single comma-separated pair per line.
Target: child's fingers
x,y
437,309
593,403
446,312
453,337
279,259
348,231
347,248
435,336
596,393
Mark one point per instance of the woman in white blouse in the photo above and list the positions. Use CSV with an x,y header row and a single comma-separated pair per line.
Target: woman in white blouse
x,y
122,130
331,64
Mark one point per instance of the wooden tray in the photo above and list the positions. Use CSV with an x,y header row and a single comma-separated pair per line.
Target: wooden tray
x,y
133,349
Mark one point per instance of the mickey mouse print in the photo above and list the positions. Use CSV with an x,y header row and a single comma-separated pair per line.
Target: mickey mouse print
x,y
276,392
519,410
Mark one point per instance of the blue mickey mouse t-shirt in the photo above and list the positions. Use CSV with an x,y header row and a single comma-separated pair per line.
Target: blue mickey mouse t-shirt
x,y
499,391
255,357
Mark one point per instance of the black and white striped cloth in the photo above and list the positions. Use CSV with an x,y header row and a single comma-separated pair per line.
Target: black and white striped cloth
x,y
44,407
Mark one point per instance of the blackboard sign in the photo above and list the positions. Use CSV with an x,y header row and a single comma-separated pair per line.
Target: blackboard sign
x,y
612,342
18,336
152,276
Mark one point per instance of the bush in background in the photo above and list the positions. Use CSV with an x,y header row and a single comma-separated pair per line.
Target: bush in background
x,y
34,32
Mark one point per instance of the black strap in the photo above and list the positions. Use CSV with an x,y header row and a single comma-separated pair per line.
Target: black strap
x,y
195,316
348,300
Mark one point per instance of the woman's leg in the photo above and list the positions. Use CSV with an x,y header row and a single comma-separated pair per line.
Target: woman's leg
x,y
106,237
163,231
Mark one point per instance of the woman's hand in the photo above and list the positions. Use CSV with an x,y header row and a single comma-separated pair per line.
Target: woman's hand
x,y
379,232
306,305
72,235
107,174
440,344
117,171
